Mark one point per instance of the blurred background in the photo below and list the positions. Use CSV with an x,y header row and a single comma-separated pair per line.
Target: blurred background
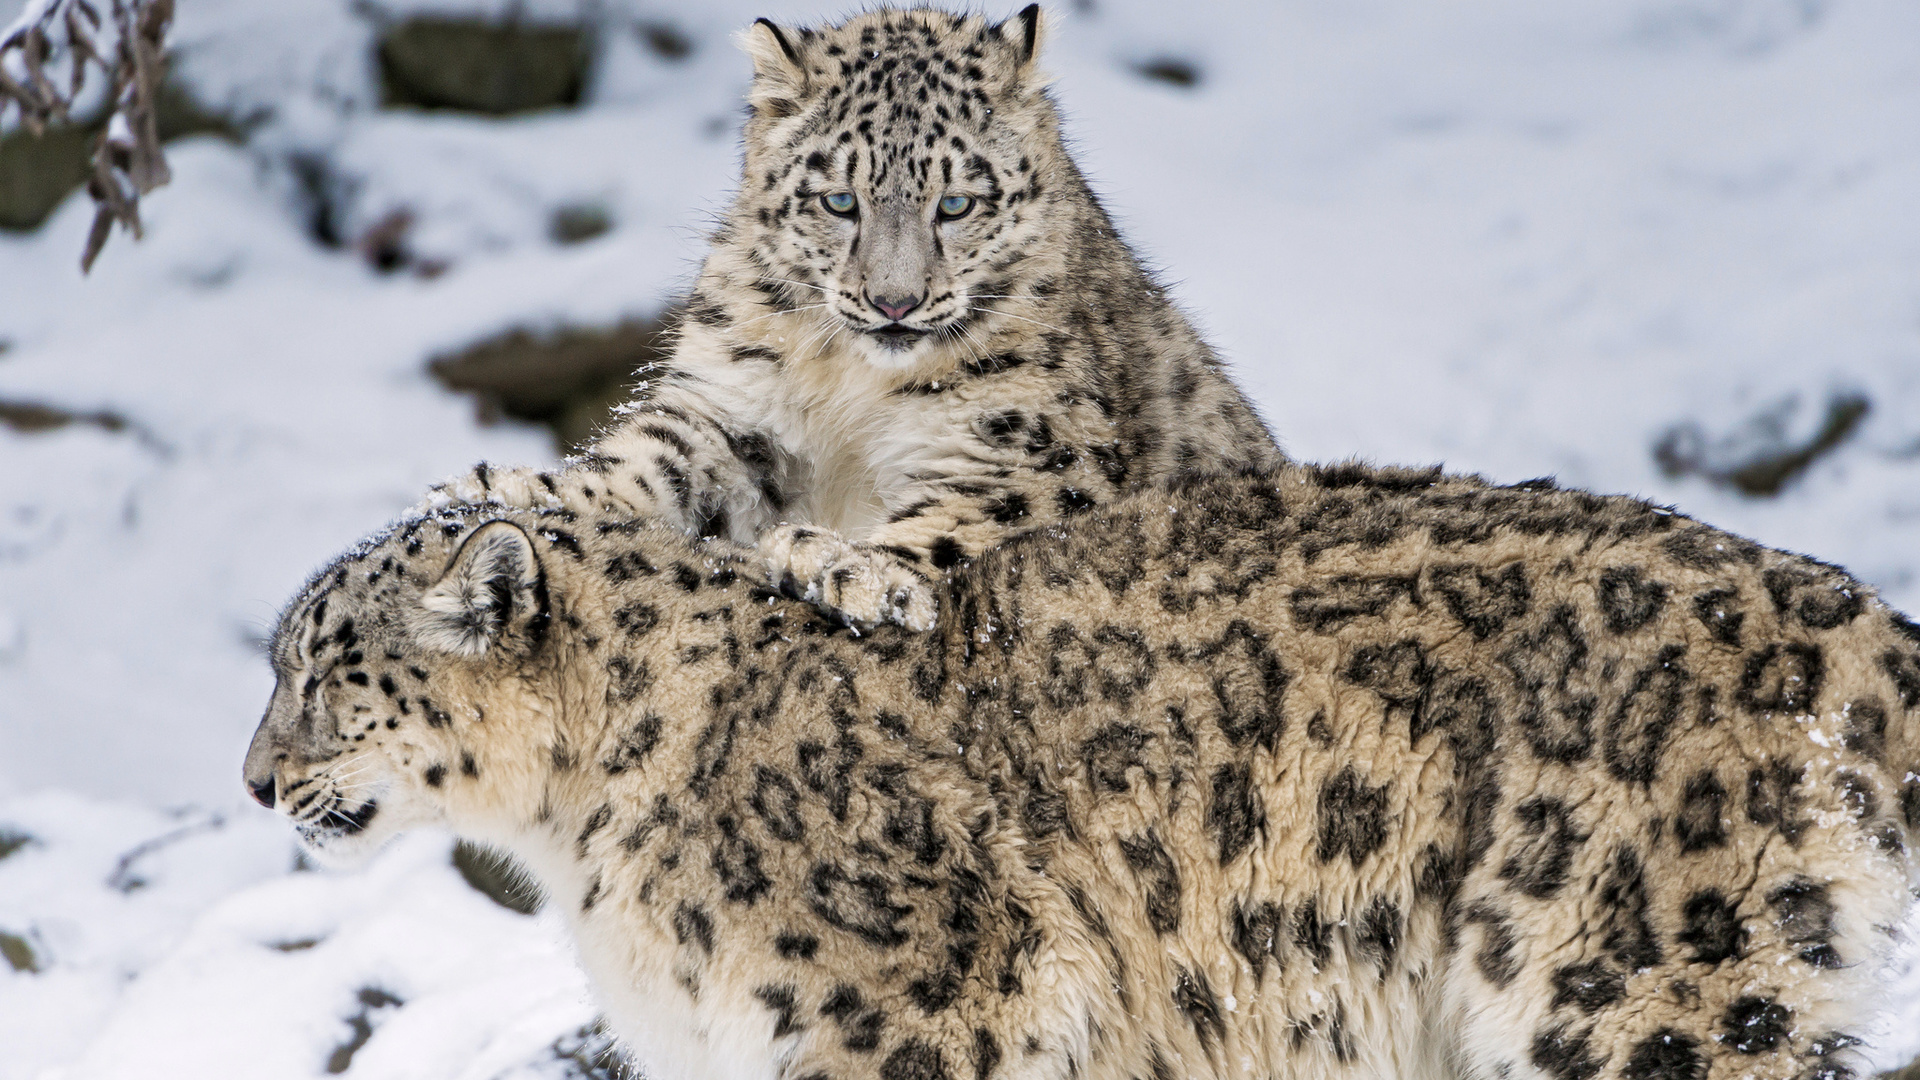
x,y
1662,247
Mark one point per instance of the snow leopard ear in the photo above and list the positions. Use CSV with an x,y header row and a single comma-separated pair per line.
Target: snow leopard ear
x,y
493,589
1024,33
779,69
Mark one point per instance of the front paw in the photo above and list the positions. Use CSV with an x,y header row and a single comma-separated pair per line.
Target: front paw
x,y
521,487
859,584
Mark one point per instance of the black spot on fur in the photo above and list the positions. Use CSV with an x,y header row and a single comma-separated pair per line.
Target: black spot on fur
x,y
986,1053
914,1060
1866,732
692,924
627,679
777,802
945,552
1666,1055
1259,934
1558,718
1821,597
1353,817
1624,901
1401,674
1550,835
1072,502
1711,926
736,862
860,1026
859,904
1774,799
1158,879
1564,1053
1755,1025
1700,823
1235,811
1636,731
793,946
1628,599
1249,685
595,822
1589,986
1343,599
1782,679
1483,602
1495,958
1805,912
1111,752
1312,932
1716,610
635,746
1377,936
780,999
1194,996
636,620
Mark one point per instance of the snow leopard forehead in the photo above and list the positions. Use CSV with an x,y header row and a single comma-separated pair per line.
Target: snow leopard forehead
x,y
897,101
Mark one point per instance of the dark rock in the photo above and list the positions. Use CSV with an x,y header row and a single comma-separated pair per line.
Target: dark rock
x,y
1759,458
576,223
30,418
477,66
12,840
18,953
1173,72
37,173
372,999
666,40
569,379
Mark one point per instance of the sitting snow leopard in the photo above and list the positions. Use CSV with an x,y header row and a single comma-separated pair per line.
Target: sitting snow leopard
x,y
1328,773
917,331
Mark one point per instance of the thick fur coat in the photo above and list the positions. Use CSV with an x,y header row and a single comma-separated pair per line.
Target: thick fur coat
x,y
1337,772
1040,370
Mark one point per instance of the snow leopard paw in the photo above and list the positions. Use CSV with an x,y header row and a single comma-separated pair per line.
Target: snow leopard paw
x,y
860,584
524,488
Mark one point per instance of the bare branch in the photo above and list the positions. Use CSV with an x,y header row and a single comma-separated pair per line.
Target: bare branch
x,y
55,38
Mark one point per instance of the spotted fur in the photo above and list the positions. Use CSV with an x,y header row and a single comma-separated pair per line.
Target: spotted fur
x,y
1331,772
1040,372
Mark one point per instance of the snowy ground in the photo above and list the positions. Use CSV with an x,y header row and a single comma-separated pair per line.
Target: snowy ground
x,y
1517,238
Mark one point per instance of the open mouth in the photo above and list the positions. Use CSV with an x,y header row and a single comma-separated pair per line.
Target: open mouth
x,y
897,336
340,821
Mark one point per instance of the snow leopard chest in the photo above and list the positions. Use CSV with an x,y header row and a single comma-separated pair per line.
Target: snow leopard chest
x,y
855,441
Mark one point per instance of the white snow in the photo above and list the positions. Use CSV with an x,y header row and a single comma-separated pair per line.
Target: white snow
x,y
1518,238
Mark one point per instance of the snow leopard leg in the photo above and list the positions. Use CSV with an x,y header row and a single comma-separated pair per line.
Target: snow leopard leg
x,y
666,462
891,574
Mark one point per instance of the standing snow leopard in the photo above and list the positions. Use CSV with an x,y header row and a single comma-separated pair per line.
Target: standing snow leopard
x,y
917,332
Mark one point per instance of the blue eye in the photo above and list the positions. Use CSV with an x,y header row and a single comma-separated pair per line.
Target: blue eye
x,y
954,206
840,202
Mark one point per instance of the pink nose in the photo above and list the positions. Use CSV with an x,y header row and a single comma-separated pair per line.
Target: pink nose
x,y
895,307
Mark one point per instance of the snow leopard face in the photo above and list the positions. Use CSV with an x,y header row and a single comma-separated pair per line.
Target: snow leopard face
x,y
374,662
897,172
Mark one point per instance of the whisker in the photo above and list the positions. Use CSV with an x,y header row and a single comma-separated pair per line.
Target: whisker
x,y
802,284
781,311
1022,318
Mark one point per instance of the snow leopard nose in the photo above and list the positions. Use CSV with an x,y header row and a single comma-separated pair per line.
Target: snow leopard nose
x,y
262,792
895,307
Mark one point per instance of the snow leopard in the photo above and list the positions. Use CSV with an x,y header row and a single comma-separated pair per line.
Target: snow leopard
x,y
1321,773
916,334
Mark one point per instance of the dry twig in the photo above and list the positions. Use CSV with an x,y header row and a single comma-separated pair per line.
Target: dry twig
x,y
46,59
